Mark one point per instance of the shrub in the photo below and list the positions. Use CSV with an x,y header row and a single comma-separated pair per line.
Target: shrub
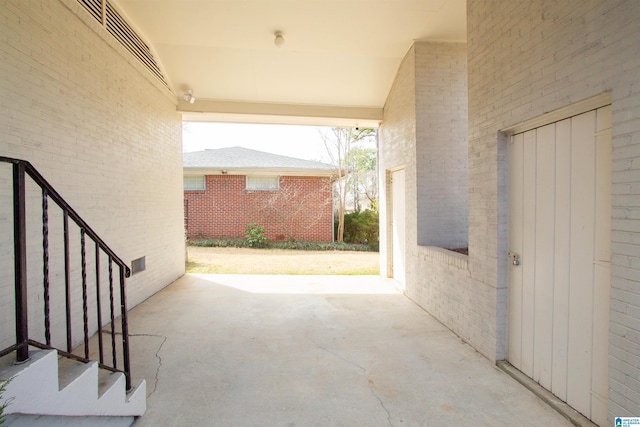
x,y
3,406
219,243
255,235
299,245
362,227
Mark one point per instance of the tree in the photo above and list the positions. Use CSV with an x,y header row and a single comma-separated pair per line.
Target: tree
x,y
363,180
339,143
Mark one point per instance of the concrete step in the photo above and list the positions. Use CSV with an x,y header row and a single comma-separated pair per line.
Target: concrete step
x,y
74,374
21,420
48,385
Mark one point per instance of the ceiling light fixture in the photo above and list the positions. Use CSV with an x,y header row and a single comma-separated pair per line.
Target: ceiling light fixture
x,y
279,40
188,96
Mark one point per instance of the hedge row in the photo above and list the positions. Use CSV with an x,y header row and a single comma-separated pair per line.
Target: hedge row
x,y
307,246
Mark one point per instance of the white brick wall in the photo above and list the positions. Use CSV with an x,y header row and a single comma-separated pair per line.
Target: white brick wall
x,y
425,130
397,148
525,59
441,150
528,58
103,131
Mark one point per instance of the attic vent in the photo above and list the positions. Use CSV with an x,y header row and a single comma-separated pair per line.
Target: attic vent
x,y
118,27
94,7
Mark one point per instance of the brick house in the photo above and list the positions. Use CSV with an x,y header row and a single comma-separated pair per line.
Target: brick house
x,y
226,189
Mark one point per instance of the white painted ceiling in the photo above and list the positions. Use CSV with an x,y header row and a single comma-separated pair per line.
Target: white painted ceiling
x,y
337,53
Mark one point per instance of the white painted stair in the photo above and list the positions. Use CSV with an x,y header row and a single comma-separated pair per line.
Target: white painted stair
x,y
49,388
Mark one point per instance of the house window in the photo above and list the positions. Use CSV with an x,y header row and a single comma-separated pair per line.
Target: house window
x,y
263,183
194,182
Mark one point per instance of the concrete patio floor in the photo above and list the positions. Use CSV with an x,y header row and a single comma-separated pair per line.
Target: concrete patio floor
x,y
239,350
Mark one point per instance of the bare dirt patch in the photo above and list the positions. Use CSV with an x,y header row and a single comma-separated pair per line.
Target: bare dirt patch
x,y
280,261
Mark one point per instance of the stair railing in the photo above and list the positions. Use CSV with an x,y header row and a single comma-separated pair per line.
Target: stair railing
x,y
22,169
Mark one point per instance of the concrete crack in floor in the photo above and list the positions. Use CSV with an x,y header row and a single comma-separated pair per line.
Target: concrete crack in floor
x,y
379,400
364,372
157,375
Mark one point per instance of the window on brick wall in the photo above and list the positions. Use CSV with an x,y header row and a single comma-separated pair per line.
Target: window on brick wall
x,y
194,182
263,183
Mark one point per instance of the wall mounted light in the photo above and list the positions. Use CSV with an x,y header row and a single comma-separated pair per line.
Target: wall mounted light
x,y
279,40
188,96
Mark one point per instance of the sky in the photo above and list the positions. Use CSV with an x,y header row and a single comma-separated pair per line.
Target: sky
x,y
303,142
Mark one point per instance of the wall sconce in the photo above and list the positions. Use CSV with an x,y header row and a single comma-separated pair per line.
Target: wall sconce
x,y
224,172
188,96
279,40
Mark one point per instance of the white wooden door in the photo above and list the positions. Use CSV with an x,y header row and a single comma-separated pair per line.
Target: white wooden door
x,y
559,233
398,226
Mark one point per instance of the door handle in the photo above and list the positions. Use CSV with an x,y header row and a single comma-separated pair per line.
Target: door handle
x,y
515,258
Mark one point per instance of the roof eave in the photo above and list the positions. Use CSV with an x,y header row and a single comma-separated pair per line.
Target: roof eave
x,y
219,170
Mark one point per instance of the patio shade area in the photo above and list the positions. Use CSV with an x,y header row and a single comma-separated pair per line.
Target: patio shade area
x,y
239,350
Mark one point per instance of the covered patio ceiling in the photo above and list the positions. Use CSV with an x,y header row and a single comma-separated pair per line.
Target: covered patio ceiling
x,y
336,66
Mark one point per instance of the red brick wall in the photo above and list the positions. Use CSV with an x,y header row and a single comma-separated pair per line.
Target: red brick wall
x,y
300,210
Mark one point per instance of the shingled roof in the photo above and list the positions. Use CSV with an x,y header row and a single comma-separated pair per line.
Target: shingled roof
x,y
239,158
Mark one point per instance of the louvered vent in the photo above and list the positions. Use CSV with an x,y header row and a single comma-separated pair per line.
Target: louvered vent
x,y
94,7
122,31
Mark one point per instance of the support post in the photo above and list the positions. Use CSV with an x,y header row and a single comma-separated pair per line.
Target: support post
x,y
125,328
20,261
